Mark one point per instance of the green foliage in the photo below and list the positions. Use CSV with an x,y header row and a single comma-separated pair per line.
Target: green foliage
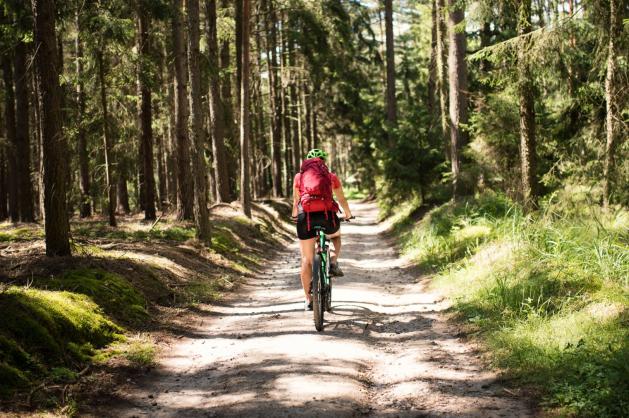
x,y
112,293
101,230
46,331
548,292
26,233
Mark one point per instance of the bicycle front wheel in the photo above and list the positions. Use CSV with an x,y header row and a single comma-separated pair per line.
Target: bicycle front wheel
x,y
318,294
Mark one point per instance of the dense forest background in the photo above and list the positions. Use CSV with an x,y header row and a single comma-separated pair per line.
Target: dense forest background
x,y
155,142
166,107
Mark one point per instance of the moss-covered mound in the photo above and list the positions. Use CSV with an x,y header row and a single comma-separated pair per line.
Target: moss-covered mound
x,y
43,329
112,293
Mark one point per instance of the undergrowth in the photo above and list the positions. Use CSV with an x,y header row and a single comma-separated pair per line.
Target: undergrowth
x,y
548,292
44,331
94,308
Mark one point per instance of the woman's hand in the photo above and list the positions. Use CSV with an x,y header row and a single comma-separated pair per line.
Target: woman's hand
x,y
348,215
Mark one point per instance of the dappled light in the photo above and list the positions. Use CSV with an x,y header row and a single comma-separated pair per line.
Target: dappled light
x,y
386,348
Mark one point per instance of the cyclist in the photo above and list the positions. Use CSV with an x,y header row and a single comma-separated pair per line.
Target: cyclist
x,y
314,205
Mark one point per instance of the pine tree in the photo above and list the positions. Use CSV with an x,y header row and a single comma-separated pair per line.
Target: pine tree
x,y
57,227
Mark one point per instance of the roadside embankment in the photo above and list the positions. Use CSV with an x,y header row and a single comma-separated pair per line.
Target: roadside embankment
x,y
101,312
547,294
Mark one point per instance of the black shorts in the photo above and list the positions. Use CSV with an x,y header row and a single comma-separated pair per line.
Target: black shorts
x,y
331,224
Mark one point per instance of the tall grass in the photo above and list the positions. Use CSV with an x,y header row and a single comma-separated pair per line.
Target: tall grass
x,y
548,292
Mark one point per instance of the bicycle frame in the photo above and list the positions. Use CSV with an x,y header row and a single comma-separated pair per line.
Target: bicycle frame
x,y
323,249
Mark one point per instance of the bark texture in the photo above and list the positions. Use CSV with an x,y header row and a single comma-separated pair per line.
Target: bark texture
x,y
612,102
274,99
22,135
146,119
457,77
185,192
110,183
391,100
245,187
197,144
9,125
217,116
57,227
528,152
85,207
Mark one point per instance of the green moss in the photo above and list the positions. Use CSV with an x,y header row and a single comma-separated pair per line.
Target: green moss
x,y
42,329
223,241
101,230
115,295
27,233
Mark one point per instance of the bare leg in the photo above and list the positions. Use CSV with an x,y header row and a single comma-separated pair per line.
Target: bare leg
x,y
336,241
307,255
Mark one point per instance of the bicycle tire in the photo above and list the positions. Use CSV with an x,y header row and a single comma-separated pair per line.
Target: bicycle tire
x,y
328,297
318,296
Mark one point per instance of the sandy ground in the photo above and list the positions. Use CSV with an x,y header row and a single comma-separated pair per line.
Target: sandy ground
x,y
386,350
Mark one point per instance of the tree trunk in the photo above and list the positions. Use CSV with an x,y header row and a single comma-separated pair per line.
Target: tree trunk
x,y
612,100
308,117
38,152
185,192
286,133
259,159
9,124
57,227
85,207
238,33
171,159
217,117
432,69
123,192
245,192
231,135
485,40
146,118
391,100
528,154
457,76
441,76
22,135
274,99
107,145
197,144
162,187
293,105
4,193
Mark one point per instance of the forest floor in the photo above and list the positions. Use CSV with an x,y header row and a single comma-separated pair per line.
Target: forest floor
x,y
387,350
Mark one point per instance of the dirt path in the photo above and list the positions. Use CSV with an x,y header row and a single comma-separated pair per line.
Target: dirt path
x,y
386,351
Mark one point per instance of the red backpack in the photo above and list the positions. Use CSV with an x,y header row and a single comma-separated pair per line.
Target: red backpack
x,y
315,188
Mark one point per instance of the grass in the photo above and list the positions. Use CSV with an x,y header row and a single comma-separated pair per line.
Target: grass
x,y
547,292
8,233
91,308
352,193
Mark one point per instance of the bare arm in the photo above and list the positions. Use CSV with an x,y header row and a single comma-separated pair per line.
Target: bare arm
x,y
295,202
338,192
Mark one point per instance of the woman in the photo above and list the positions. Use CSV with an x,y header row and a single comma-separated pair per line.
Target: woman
x,y
320,210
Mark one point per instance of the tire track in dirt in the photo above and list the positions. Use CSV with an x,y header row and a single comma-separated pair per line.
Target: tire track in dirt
x,y
386,350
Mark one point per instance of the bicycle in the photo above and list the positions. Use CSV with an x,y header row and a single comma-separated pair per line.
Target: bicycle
x,y
321,285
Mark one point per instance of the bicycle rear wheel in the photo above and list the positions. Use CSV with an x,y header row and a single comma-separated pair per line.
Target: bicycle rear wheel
x,y
328,297
318,294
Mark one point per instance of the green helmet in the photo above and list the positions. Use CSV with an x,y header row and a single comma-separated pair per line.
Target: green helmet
x,y
316,153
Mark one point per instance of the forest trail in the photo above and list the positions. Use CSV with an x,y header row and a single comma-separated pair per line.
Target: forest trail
x,y
386,351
